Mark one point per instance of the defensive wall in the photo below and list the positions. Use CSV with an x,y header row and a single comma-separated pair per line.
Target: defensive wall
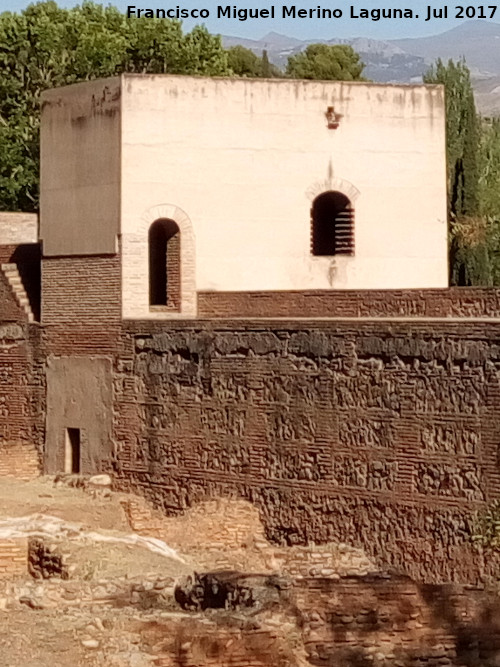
x,y
382,433
367,417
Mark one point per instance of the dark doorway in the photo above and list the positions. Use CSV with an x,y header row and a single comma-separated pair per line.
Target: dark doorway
x,y
332,225
72,451
164,264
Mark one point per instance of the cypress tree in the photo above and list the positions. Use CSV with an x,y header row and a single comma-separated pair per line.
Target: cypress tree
x,y
470,262
266,70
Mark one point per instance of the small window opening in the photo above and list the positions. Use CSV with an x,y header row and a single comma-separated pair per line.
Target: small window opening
x,y
164,264
332,225
72,451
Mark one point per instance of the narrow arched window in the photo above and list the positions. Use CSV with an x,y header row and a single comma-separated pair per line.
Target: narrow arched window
x,y
332,225
164,264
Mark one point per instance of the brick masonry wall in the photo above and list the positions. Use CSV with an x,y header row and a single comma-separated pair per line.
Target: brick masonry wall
x,y
218,531
453,302
18,228
13,558
20,460
22,399
393,621
382,435
81,306
7,251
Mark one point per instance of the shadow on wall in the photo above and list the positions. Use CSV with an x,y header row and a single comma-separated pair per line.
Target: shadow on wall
x,y
475,627
27,257
399,623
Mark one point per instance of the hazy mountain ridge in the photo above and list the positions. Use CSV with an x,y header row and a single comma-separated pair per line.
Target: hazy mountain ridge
x,y
405,60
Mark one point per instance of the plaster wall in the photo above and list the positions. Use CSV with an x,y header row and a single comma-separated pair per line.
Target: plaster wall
x,y
79,391
243,160
18,228
80,169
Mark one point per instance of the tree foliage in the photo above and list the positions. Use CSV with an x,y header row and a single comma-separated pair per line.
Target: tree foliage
x,y
489,168
47,46
462,136
473,158
323,61
244,62
267,69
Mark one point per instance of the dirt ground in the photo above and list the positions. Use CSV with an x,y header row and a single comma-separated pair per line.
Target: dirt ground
x,y
67,633
83,620
54,637
43,496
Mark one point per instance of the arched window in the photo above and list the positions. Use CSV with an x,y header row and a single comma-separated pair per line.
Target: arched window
x,y
332,225
165,264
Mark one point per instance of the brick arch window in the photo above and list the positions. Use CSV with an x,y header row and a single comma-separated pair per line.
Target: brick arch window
x,y
332,225
165,264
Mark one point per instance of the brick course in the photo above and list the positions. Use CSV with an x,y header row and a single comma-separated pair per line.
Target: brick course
x,y
20,460
452,302
13,558
81,307
380,434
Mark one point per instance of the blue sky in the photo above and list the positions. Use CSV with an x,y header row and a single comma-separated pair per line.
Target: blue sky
x,y
307,28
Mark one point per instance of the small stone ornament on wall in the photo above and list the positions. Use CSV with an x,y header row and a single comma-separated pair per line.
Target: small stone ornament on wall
x,y
332,118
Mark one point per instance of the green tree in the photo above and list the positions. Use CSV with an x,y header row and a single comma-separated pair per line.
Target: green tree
x,y
462,136
47,46
323,61
473,232
266,69
243,62
489,168
489,191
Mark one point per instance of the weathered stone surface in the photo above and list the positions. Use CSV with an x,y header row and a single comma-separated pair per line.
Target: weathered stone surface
x,y
45,560
381,435
228,590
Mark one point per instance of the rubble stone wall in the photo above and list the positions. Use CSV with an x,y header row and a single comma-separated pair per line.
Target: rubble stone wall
x,y
382,435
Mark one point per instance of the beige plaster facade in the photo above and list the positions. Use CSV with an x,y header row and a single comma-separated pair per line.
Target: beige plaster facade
x,y
79,391
237,164
80,175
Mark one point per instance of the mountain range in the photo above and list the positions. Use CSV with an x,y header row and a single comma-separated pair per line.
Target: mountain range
x,y
405,60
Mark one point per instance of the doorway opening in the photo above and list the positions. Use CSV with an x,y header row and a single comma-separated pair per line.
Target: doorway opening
x,y
72,451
